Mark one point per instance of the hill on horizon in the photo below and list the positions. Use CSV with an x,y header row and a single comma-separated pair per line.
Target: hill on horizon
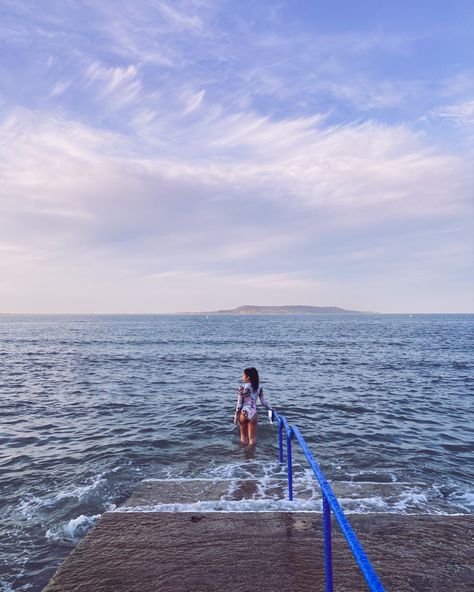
x,y
286,309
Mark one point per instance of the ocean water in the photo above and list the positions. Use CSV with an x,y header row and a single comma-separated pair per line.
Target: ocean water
x,y
91,405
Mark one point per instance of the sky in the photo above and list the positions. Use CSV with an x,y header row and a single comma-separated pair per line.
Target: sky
x,y
168,156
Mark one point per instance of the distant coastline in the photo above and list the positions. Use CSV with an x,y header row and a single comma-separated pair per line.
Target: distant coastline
x,y
286,309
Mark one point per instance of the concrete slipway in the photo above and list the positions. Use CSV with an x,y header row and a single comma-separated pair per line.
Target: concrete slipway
x,y
164,539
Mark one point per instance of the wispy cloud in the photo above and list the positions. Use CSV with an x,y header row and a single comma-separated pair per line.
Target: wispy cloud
x,y
361,174
119,85
178,19
59,88
192,101
460,114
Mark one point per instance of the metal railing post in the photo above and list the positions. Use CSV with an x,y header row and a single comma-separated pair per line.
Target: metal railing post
x,y
289,436
327,544
280,440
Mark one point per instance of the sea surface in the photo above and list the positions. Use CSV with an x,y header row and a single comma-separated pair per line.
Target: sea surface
x,y
91,405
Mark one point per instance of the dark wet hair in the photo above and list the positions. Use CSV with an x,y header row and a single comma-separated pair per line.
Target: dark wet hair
x,y
252,373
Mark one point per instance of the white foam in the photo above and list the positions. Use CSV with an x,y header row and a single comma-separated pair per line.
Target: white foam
x,y
463,499
250,505
360,505
73,530
467,497
246,469
29,507
354,476
410,499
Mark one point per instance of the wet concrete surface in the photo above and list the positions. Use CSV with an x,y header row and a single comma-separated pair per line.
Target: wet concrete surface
x,y
259,551
265,551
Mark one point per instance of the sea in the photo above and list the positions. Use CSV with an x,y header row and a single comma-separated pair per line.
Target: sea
x,y
90,405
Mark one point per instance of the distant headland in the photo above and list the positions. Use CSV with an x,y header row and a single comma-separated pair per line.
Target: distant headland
x,y
308,310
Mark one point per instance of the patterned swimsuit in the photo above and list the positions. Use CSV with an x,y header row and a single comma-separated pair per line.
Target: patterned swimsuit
x,y
247,401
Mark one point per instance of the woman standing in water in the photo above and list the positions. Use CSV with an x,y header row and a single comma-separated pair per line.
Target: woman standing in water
x,y
246,410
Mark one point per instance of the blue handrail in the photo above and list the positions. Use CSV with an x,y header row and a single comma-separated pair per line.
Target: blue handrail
x,y
329,503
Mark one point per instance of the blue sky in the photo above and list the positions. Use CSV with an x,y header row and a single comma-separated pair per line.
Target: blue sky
x,y
162,156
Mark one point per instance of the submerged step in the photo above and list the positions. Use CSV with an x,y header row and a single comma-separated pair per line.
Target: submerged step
x,y
183,492
271,494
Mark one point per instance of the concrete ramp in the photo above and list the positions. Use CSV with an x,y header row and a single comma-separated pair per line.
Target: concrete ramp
x,y
142,551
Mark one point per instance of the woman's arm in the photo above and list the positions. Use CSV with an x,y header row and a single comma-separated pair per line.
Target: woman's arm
x,y
262,400
240,402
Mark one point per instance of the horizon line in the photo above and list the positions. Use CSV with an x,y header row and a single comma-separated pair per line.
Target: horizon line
x,y
215,313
